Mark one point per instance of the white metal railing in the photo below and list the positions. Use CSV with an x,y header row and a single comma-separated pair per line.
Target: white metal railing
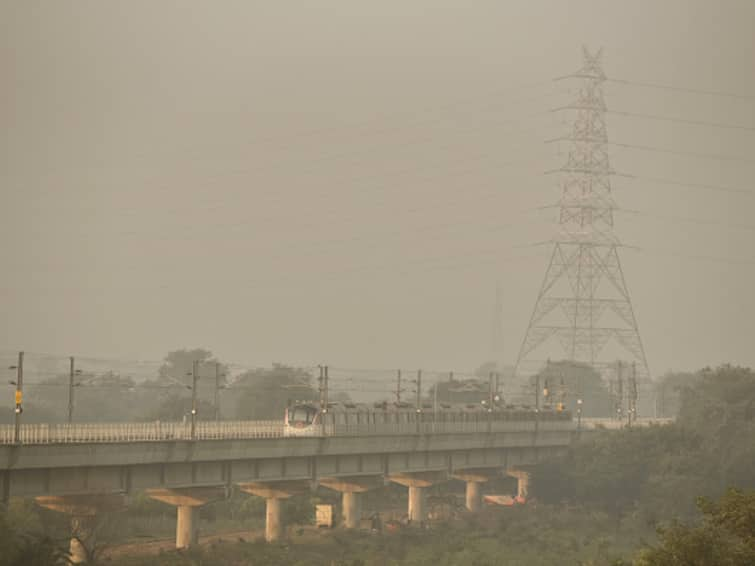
x,y
44,433
446,427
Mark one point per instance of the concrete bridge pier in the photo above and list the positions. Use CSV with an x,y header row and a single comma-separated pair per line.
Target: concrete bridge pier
x,y
417,482
273,492
351,489
523,481
83,510
474,480
187,502
473,497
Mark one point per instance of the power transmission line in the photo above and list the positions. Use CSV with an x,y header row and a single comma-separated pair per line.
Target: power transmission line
x,y
717,156
704,186
682,89
683,120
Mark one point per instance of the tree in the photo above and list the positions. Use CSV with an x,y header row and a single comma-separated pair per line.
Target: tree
x,y
654,469
725,538
667,390
720,407
19,548
178,366
108,397
267,391
177,406
568,381
467,391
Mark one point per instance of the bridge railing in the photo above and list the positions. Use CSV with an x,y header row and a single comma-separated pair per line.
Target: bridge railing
x,y
591,423
44,433
57,433
440,427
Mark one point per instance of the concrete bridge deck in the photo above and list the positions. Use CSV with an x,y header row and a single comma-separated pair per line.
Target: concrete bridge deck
x,y
82,469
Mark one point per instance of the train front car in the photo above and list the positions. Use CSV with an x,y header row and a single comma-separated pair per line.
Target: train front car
x,y
301,420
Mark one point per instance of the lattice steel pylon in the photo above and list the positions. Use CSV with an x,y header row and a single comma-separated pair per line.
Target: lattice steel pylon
x,y
583,303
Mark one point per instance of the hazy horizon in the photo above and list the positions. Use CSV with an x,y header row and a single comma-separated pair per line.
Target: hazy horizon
x,y
347,183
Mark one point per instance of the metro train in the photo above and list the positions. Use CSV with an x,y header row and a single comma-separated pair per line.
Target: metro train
x,y
307,419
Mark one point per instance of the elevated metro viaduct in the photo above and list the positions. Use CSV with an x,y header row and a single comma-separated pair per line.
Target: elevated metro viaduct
x,y
83,478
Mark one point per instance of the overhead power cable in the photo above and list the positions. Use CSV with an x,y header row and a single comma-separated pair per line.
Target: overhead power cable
x,y
717,156
704,186
681,120
688,220
683,89
702,155
716,259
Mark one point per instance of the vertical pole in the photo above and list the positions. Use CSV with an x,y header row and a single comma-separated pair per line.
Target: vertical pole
x,y
217,391
323,379
398,387
491,393
327,401
419,400
490,402
19,397
634,392
70,391
450,384
194,377
619,392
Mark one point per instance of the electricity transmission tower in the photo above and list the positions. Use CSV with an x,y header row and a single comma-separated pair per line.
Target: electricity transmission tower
x,y
584,305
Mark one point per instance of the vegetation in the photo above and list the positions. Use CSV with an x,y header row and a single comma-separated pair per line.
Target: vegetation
x,y
647,497
726,536
264,393
256,394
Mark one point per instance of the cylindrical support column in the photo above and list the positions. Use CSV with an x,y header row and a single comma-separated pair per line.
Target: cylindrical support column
x,y
187,526
523,485
352,513
474,496
416,504
82,539
273,527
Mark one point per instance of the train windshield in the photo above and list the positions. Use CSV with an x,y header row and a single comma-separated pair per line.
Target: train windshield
x,y
302,415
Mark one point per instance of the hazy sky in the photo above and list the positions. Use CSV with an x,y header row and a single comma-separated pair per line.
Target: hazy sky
x,y
345,182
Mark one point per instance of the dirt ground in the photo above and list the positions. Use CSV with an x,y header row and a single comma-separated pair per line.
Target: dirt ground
x,y
297,535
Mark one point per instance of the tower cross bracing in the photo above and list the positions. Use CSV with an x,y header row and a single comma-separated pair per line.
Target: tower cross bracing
x,y
584,305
